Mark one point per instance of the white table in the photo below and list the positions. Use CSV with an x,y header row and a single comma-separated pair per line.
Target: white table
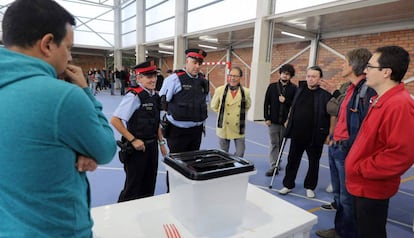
x,y
265,216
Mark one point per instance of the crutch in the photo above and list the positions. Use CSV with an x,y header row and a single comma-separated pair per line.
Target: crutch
x,y
279,157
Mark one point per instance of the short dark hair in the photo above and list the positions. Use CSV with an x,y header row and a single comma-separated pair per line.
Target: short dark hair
x,y
358,59
287,68
396,58
26,22
317,68
238,69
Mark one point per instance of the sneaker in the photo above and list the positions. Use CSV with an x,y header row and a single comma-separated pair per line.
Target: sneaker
x,y
285,191
310,193
329,189
269,173
330,233
329,207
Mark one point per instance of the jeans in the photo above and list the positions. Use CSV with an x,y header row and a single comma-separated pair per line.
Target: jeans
x,y
239,143
345,224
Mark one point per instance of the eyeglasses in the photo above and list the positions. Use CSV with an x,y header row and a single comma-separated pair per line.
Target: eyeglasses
x,y
234,76
368,67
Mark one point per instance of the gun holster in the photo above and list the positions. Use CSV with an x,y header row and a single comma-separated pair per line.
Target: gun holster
x,y
125,151
165,126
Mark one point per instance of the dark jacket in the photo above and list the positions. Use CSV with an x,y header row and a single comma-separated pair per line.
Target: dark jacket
x,y
321,118
275,111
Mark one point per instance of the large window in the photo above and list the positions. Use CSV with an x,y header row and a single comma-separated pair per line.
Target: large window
x,y
220,13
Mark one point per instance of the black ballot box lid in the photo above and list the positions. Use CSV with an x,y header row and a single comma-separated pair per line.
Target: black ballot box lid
x,y
207,164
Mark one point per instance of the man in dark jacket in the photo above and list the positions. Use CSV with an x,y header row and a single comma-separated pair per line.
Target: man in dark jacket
x,y
308,128
278,99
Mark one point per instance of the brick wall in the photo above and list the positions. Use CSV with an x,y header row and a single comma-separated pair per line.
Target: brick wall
x,y
329,62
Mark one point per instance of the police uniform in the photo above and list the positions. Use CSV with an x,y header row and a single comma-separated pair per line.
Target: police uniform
x,y
187,97
139,109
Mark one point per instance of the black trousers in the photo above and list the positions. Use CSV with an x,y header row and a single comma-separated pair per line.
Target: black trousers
x,y
371,217
184,139
314,152
140,173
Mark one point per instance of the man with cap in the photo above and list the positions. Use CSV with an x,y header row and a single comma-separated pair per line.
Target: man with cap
x,y
142,135
184,95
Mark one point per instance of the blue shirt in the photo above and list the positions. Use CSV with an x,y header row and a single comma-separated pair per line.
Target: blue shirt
x,y
172,86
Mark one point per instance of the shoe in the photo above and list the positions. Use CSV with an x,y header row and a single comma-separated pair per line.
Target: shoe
x,y
328,207
269,173
329,189
330,233
285,191
310,193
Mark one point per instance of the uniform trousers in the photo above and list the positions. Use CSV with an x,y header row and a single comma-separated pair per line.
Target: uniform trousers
x,y
141,173
184,139
314,152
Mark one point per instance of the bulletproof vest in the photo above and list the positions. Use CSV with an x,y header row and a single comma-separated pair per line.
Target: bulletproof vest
x,y
190,103
145,121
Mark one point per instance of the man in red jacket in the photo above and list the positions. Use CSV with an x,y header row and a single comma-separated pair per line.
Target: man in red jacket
x,y
382,151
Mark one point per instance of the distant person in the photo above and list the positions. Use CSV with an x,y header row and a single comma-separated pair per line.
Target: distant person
x,y
160,80
52,131
123,79
169,72
139,110
231,102
308,130
383,149
277,102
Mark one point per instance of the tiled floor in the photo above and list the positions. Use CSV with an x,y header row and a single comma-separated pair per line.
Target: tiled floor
x,y
107,181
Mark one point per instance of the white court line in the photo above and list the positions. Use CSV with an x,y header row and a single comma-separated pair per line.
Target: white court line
x,y
120,169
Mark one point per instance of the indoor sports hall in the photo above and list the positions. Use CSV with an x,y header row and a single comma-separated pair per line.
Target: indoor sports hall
x,y
257,36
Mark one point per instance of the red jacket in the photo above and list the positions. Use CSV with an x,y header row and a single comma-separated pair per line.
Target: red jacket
x,y
383,149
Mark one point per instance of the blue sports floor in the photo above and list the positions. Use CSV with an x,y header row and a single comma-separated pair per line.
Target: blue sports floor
x,y
107,180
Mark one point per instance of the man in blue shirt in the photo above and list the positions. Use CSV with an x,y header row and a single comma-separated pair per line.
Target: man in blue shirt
x,y
185,97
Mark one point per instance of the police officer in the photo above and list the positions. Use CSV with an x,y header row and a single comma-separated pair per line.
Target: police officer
x,y
139,109
185,97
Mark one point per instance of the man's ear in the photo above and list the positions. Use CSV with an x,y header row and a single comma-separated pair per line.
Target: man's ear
x,y
46,44
387,72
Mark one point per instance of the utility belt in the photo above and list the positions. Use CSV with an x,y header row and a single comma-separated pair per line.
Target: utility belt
x,y
126,148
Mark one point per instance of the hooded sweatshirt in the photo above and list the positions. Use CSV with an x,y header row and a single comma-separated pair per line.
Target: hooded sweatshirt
x,y
44,124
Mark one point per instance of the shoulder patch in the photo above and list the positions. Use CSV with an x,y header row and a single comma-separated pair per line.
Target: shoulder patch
x,y
135,90
180,72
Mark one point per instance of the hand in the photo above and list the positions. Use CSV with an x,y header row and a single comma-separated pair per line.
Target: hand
x,y
138,145
327,86
164,150
84,163
282,99
75,74
268,122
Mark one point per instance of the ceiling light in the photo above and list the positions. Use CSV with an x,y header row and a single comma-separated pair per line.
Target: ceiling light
x,y
208,46
165,46
165,52
293,35
208,39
